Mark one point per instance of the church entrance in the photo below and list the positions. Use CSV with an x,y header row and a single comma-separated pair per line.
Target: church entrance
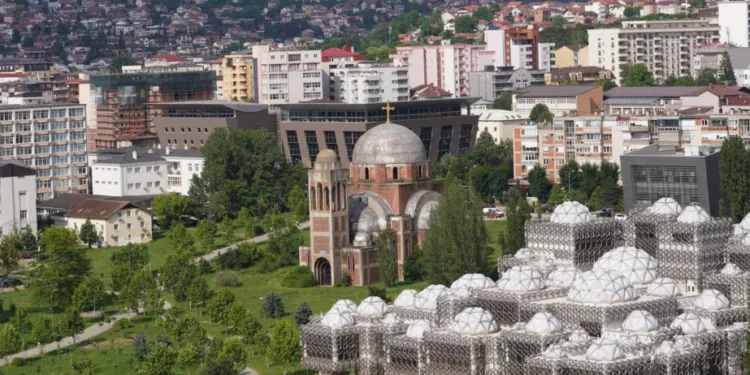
x,y
323,271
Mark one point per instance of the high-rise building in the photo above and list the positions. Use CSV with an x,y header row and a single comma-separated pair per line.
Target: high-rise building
x,y
519,47
734,23
238,72
289,76
369,83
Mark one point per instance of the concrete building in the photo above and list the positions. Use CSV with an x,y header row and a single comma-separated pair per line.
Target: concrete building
x,y
652,101
568,56
688,175
740,58
239,79
560,100
581,75
446,65
307,128
130,172
118,222
491,82
289,76
35,69
499,123
187,125
369,83
519,47
734,26
665,47
707,56
17,198
50,139
27,92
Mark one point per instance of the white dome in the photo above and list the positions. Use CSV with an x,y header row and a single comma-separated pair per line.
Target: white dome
x,y
571,213
523,253
628,339
665,206
554,351
731,269
635,264
417,329
600,286
427,298
372,306
746,240
739,230
407,298
663,287
711,299
640,321
474,321
579,336
745,223
345,304
562,277
690,323
693,215
338,317
521,279
666,348
683,343
473,281
543,323
604,350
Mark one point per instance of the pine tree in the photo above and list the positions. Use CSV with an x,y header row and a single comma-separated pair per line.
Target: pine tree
x,y
734,178
273,307
303,313
726,71
386,250
539,184
140,347
556,195
517,211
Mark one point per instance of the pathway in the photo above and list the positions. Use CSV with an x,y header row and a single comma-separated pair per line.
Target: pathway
x,y
257,239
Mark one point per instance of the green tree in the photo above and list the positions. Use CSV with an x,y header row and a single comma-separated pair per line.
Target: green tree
x,y
541,114
303,313
284,349
126,262
204,236
556,195
41,331
273,306
539,184
569,176
198,292
134,294
178,273
71,323
284,240
734,178
28,239
218,306
576,195
504,101
589,178
154,305
608,85
115,66
297,203
243,218
726,71
638,76
10,341
456,241
698,4
632,12
160,360
707,76
87,234
227,227
596,202
233,352
9,252
181,239
89,294
21,320
28,41
684,81
482,13
188,356
140,347
517,212
67,266
559,21
168,209
465,24
415,268
386,248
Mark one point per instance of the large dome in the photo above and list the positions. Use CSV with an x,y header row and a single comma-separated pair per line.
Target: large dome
x,y
562,277
711,299
345,304
690,323
389,144
474,321
633,263
693,215
407,298
427,298
543,323
601,286
665,206
417,329
571,213
471,281
372,306
338,317
604,350
521,279
640,321
663,287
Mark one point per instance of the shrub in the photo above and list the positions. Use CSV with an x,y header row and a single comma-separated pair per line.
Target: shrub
x,y
273,307
18,362
140,347
227,278
378,292
83,365
238,257
122,323
302,315
346,280
415,268
298,277
205,267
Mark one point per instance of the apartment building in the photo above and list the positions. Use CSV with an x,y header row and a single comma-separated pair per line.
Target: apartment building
x,y
665,47
707,56
650,101
369,83
493,81
569,56
118,223
446,65
734,23
51,139
519,47
27,92
581,75
501,124
34,69
560,100
17,198
289,76
239,80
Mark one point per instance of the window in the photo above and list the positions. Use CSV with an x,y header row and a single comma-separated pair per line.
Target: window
x,y
115,238
137,185
156,168
312,144
23,214
156,184
128,213
294,151
149,184
190,167
464,140
444,146
117,226
330,138
130,186
148,169
130,170
350,139
130,226
425,134
137,169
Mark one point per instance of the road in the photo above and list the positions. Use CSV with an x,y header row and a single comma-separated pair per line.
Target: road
x,y
261,238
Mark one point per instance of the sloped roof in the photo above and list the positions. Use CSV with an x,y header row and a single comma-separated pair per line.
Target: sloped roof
x,y
653,92
170,58
98,209
429,91
555,91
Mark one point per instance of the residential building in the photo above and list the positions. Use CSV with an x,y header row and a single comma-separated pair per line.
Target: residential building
x,y
446,66
568,56
34,69
51,139
519,47
369,83
289,76
665,47
187,125
545,60
17,197
491,82
707,56
659,100
123,103
688,175
560,100
239,80
740,58
580,75
130,171
428,92
118,223
734,25
307,128
27,92
339,55
501,124
56,209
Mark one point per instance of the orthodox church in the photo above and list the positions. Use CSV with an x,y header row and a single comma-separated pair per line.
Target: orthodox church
x,y
387,185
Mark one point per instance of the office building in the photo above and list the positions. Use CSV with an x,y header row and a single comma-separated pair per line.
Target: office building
x,y
17,197
492,82
734,23
369,83
688,175
650,101
289,76
52,140
560,100
665,47
519,47
239,79
307,128
569,56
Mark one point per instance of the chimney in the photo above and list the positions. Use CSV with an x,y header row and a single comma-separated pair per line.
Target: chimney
x,y
135,154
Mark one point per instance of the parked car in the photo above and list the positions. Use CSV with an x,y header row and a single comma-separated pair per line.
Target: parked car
x,y
27,255
621,216
41,256
604,213
6,282
488,209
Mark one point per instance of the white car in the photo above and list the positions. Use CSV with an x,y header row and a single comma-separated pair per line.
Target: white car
x,y
621,217
487,210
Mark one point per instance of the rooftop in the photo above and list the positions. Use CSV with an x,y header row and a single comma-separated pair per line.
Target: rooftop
x,y
555,91
65,202
653,92
237,106
98,209
132,155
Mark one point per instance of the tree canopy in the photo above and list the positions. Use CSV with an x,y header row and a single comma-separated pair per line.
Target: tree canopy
x,y
638,75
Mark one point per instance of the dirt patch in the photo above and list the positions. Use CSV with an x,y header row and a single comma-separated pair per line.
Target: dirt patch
x,y
108,344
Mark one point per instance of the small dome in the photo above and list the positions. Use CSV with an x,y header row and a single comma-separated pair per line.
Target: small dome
x,y
346,304
601,286
571,213
711,299
338,317
731,269
554,351
746,240
683,343
745,223
635,264
372,306
640,321
663,287
628,340
362,239
739,230
693,215
427,298
326,155
391,319
365,221
604,350
473,281
579,336
474,321
389,144
543,323
666,348
407,298
417,329
523,253
690,323
521,279
665,206
562,277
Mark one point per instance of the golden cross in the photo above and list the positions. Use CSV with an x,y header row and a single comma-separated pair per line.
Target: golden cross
x,y
387,110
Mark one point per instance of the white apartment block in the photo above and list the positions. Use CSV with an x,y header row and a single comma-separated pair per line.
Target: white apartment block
x,y
665,47
734,23
369,83
141,171
519,48
546,56
289,76
17,197
51,139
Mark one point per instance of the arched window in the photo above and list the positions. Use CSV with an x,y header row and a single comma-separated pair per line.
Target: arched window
x,y
395,173
312,199
420,171
327,193
334,204
320,196
367,173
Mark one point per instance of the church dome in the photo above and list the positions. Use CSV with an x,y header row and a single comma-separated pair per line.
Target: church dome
x,y
389,144
326,156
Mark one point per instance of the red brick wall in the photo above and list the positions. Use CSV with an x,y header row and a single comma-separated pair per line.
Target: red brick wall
x,y
320,224
321,243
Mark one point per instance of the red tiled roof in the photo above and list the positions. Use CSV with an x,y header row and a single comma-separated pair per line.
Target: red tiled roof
x,y
738,100
346,51
429,91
